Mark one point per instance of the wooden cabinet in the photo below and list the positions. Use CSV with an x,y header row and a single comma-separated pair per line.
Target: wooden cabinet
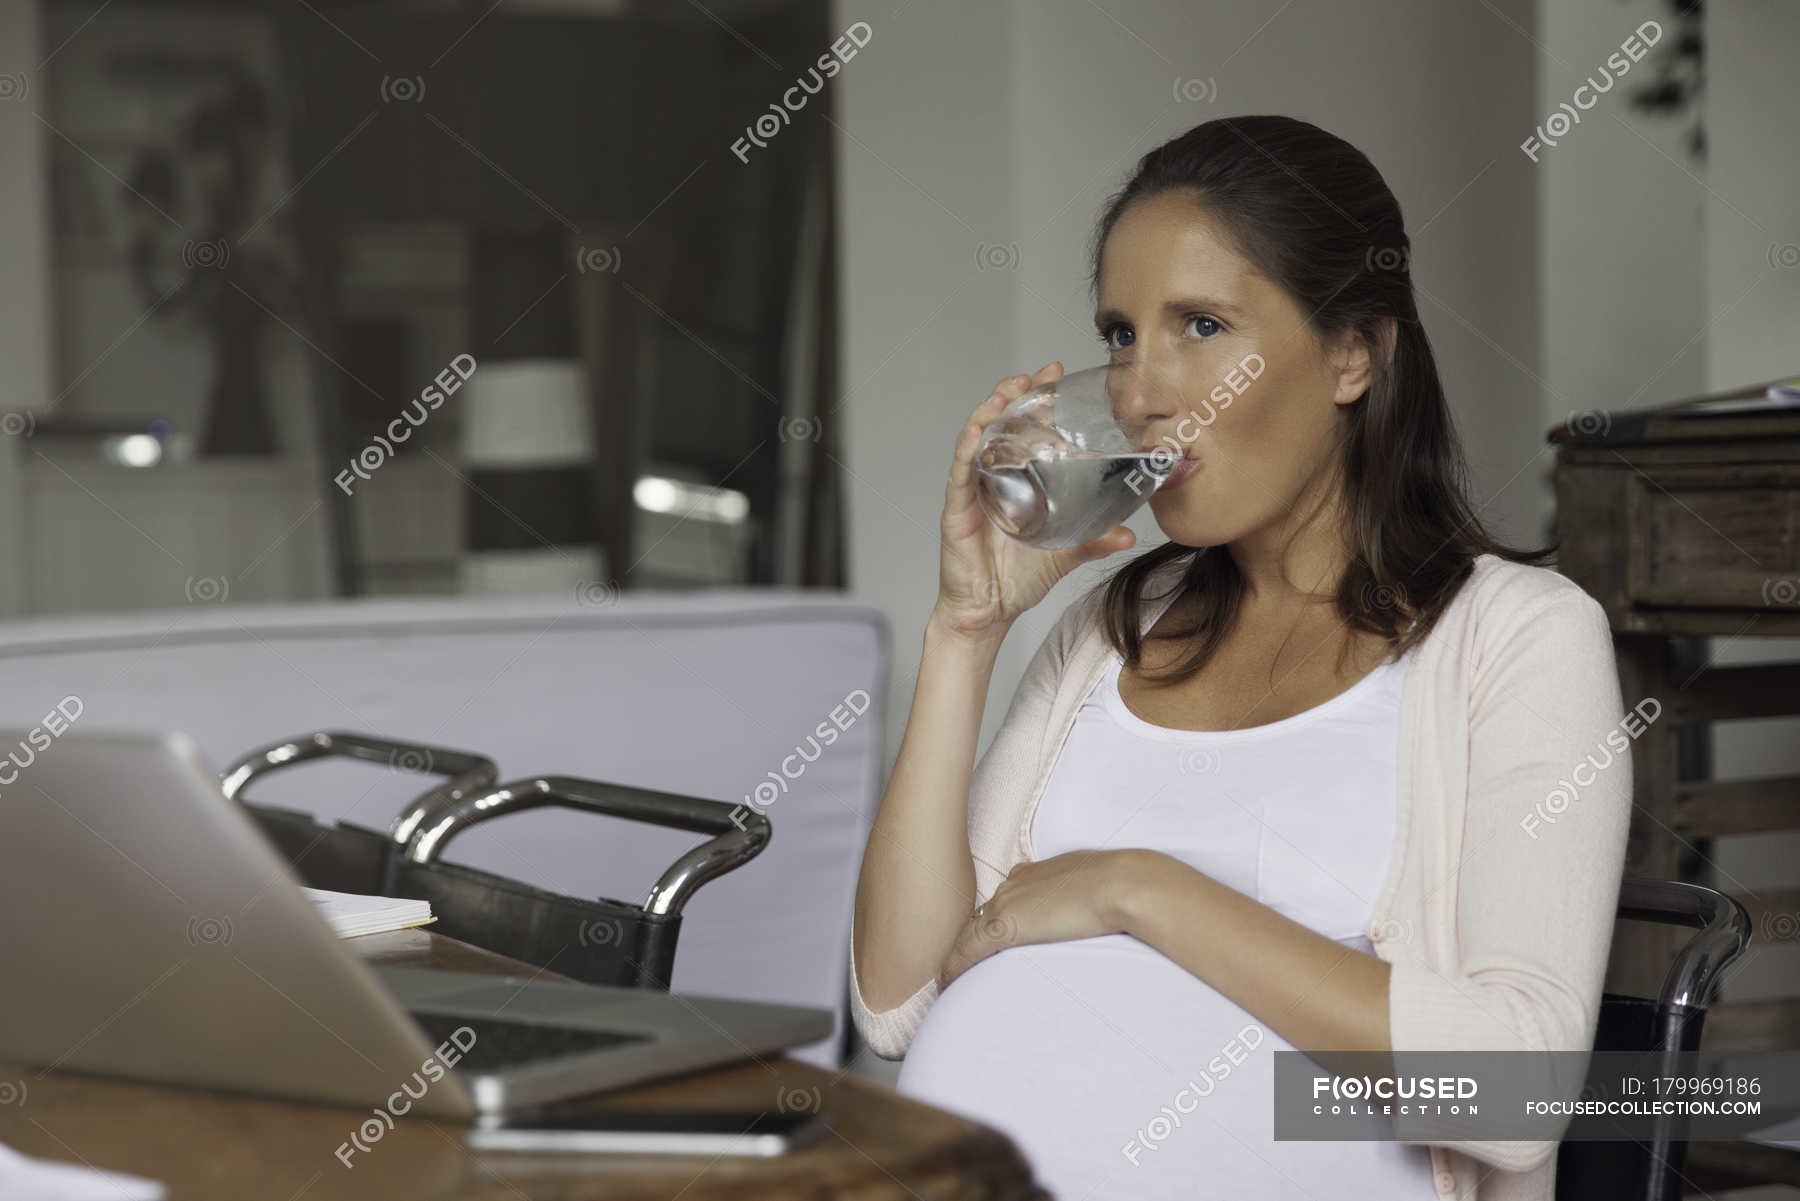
x,y
1684,529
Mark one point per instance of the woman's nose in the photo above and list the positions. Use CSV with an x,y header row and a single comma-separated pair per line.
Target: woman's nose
x,y
1142,395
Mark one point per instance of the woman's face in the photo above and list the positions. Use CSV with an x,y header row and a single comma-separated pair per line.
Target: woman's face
x,y
1223,369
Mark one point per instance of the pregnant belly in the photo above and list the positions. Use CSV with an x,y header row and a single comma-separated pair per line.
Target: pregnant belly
x,y
1120,1074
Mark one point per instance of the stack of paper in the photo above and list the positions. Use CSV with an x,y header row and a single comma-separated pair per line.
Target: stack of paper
x,y
351,913
1778,397
52,1180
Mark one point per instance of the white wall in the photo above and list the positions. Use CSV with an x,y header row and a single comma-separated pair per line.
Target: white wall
x,y
1622,201
925,176
24,271
1752,305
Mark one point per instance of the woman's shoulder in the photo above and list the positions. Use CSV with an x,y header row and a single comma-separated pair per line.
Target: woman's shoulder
x,y
1502,601
1499,587
1076,625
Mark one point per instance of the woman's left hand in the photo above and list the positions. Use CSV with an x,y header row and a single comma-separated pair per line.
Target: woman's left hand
x,y
1080,894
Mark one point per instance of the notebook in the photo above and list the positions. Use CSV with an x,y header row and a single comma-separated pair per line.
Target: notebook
x,y
350,914
1779,397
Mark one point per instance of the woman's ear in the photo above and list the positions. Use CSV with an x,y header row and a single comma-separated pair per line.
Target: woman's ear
x,y
1355,364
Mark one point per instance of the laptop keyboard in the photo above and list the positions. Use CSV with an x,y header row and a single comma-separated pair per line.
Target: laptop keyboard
x,y
502,1044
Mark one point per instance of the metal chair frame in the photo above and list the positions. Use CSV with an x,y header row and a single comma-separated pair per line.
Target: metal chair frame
x,y
1679,1010
494,911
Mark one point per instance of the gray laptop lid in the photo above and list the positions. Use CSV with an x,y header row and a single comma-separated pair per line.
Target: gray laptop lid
x,y
149,931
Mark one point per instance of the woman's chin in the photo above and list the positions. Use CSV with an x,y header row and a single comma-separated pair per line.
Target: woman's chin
x,y
1189,528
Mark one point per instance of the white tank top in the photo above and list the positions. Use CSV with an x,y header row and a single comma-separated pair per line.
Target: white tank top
x,y
1118,1073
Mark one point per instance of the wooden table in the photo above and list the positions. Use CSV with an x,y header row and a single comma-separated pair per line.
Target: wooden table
x,y
209,1146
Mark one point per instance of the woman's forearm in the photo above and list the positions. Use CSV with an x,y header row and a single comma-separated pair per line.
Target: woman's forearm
x,y
1316,993
917,884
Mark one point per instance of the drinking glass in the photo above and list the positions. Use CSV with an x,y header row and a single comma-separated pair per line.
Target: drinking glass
x,y
1057,469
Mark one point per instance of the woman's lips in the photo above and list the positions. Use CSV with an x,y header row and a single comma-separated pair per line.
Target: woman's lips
x,y
1184,467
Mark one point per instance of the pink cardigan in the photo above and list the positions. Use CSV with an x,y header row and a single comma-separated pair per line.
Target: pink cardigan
x,y
1498,907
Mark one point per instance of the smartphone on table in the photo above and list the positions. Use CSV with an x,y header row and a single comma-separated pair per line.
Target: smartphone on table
x,y
646,1131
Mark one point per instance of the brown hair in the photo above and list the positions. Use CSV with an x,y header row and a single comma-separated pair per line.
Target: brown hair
x,y
1311,213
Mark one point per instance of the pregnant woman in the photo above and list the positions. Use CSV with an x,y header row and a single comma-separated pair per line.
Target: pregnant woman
x,y
1295,779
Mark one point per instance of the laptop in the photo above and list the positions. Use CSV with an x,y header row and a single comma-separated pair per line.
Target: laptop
x,y
150,931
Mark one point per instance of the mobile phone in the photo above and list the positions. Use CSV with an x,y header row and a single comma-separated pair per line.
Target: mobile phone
x,y
646,1131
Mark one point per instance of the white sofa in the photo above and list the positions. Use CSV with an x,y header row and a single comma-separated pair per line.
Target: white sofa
x,y
701,693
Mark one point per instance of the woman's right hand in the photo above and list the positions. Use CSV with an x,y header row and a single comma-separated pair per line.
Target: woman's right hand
x,y
985,578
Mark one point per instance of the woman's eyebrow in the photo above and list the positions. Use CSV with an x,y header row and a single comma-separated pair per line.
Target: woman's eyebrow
x,y
1176,307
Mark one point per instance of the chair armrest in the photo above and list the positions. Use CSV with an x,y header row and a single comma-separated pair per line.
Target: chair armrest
x,y
739,835
464,771
1700,965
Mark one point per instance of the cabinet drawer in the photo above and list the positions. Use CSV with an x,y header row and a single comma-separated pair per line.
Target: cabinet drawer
x,y
1714,537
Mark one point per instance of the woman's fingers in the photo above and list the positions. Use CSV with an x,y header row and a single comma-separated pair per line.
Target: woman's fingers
x,y
964,953
961,461
993,930
957,491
